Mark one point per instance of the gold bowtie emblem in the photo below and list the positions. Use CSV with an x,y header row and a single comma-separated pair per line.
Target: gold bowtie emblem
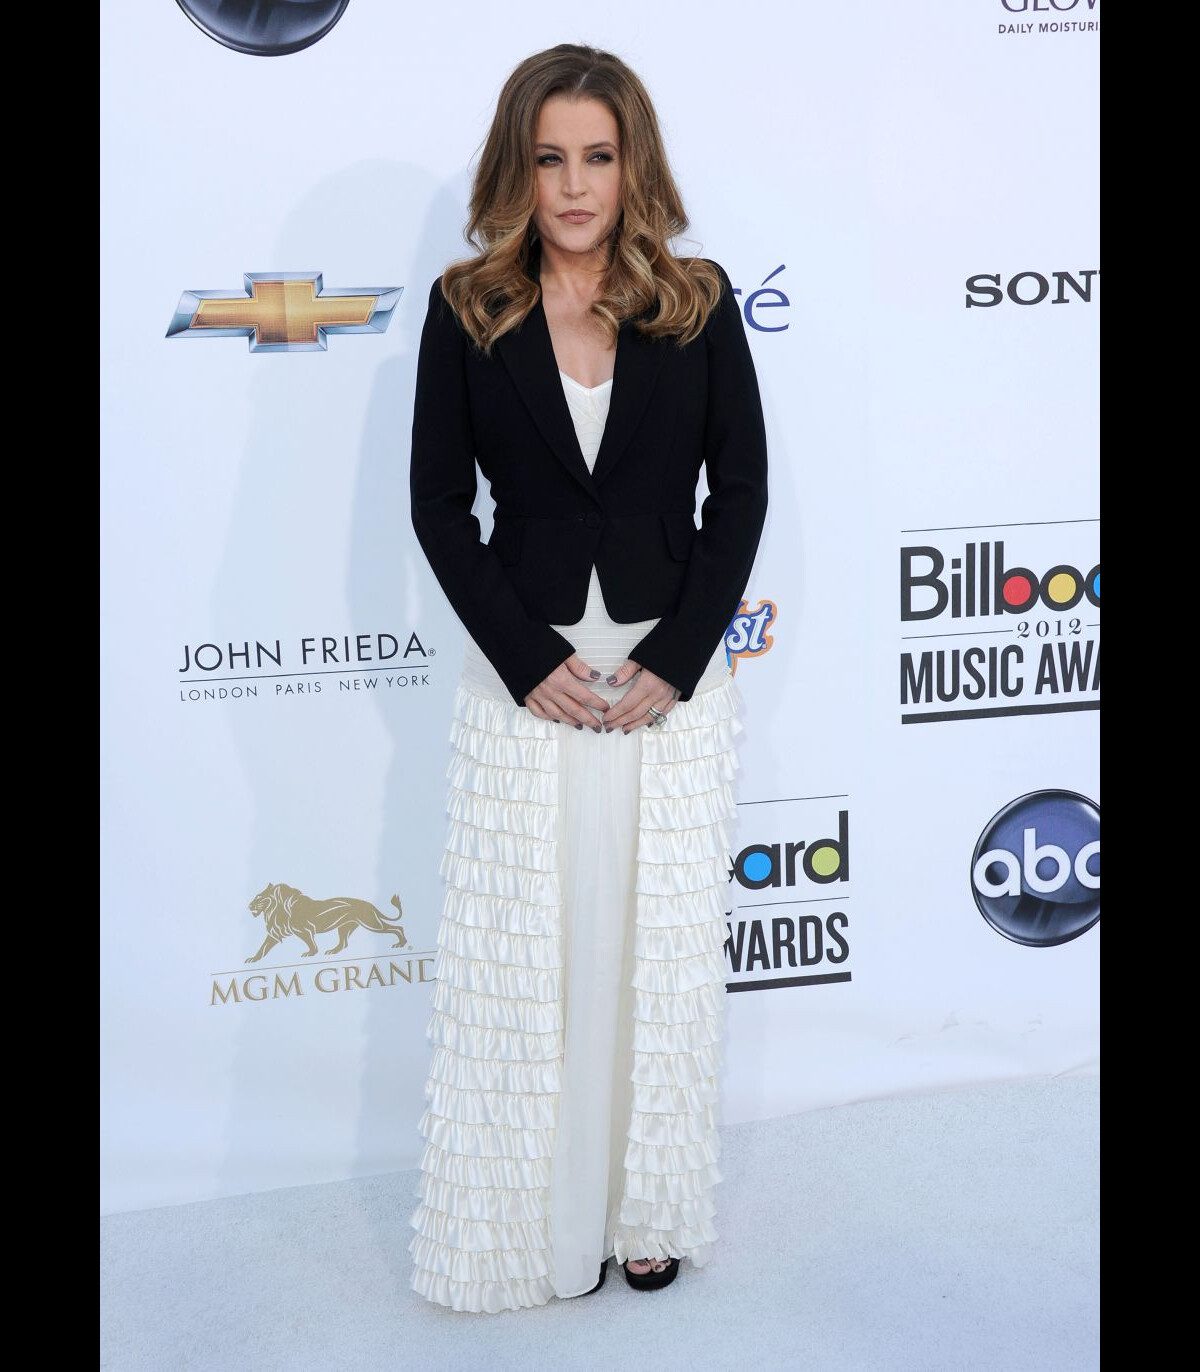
x,y
283,312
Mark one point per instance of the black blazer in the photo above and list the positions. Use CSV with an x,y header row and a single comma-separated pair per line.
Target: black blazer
x,y
671,409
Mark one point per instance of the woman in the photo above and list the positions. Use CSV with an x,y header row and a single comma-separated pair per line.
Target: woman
x,y
580,978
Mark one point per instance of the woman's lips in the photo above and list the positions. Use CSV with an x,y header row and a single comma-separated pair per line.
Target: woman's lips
x,y
577,216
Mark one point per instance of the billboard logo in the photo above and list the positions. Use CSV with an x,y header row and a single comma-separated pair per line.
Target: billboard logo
x,y
265,28
1030,599
1035,871
979,583
284,312
792,926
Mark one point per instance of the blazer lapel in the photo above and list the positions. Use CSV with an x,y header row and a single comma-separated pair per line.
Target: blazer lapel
x,y
528,354
639,360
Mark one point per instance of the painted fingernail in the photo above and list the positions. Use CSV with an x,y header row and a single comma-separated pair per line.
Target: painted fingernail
x,y
608,728
596,728
595,675
612,680
579,726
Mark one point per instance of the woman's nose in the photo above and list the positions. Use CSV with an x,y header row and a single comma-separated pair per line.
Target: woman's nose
x,y
573,179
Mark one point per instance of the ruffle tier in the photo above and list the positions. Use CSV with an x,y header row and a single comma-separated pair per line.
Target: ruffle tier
x,y
483,1234
686,817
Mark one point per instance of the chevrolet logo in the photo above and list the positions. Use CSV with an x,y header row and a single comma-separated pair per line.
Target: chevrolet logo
x,y
283,312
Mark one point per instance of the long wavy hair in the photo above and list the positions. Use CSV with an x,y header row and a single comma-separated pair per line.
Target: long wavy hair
x,y
493,291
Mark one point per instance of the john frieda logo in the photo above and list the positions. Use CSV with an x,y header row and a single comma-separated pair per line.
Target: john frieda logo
x,y
284,312
288,914
999,619
265,28
275,669
1035,872
789,922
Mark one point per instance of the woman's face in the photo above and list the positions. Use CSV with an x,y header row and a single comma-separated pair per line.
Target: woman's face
x,y
578,174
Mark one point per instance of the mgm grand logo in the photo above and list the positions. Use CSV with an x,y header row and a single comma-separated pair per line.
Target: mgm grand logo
x,y
287,913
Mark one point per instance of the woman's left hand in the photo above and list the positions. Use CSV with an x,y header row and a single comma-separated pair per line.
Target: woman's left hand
x,y
633,708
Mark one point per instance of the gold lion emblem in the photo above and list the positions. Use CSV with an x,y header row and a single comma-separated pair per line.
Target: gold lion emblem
x,y
286,911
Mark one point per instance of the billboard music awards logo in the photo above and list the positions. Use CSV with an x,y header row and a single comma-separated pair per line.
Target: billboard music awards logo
x,y
293,921
345,664
1035,871
1029,597
284,312
747,633
789,924
1049,16
265,28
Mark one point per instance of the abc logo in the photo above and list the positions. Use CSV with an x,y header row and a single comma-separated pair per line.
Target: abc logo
x,y
1035,872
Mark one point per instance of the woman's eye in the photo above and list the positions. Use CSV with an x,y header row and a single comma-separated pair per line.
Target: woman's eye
x,y
548,159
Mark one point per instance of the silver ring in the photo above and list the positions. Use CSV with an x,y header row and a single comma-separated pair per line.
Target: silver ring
x,y
656,716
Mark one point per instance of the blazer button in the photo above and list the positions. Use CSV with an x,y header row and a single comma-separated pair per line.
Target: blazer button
x,y
592,520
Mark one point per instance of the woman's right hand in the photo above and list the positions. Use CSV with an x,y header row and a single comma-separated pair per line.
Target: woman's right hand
x,y
563,697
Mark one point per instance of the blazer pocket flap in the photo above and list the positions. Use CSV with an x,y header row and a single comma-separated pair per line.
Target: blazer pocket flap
x,y
506,540
680,529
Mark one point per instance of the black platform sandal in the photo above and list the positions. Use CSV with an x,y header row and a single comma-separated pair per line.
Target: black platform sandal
x,y
600,1283
663,1272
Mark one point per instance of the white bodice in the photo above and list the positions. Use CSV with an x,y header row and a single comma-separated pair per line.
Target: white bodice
x,y
589,410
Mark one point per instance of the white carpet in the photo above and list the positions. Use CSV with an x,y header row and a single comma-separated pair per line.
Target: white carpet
x,y
955,1232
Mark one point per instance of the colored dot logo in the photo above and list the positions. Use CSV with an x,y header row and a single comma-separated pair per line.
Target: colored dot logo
x,y
1061,588
1035,871
758,865
825,860
1018,590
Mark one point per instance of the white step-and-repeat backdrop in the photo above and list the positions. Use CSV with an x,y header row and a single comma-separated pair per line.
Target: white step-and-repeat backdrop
x,y
906,197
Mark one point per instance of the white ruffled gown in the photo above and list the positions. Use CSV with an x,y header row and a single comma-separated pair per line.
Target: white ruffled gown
x,y
577,1012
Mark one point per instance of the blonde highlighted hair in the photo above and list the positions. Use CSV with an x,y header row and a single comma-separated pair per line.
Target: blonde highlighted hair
x,y
492,292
